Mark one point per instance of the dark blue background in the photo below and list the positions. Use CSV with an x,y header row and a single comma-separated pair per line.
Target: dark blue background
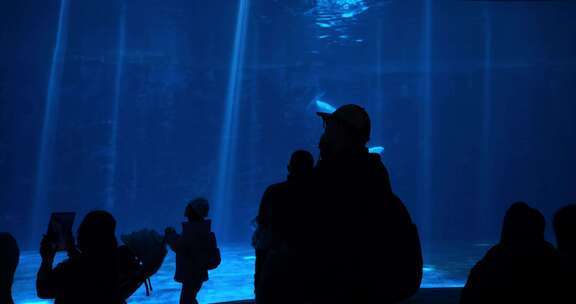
x,y
501,104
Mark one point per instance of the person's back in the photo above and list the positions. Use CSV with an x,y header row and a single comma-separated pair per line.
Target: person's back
x,y
278,230
91,275
196,250
9,257
521,268
86,279
359,240
287,203
191,259
565,230
365,241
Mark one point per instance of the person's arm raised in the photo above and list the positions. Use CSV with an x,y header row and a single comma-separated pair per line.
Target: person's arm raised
x,y
45,279
172,238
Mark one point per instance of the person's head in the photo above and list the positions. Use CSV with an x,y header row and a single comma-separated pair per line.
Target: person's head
x,y
565,228
523,224
345,130
97,232
9,257
301,163
197,209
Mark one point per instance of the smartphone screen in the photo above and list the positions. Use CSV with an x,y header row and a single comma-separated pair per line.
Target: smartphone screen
x,y
60,228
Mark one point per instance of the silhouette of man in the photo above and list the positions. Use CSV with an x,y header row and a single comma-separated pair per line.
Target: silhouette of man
x,y
275,217
521,268
366,244
353,240
565,230
90,275
9,257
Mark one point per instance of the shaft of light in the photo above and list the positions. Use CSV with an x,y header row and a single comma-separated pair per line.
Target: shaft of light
x,y
49,124
426,124
113,144
228,137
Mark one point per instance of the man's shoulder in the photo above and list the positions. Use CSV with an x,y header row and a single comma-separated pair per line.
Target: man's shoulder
x,y
375,162
277,187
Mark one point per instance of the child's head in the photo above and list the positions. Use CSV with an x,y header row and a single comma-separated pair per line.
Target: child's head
x,y
197,209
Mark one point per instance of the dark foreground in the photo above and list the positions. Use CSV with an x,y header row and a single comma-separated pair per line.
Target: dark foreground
x,y
446,267
425,295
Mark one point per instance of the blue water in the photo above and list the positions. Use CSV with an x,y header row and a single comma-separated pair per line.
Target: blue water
x,y
228,137
446,266
425,191
116,101
139,107
50,119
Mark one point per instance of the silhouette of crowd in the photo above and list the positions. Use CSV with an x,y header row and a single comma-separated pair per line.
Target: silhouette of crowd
x,y
333,232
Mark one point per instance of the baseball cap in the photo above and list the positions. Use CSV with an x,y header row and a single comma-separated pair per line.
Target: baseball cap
x,y
354,117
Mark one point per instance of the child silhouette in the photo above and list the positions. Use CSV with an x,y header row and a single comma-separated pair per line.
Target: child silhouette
x,y
196,250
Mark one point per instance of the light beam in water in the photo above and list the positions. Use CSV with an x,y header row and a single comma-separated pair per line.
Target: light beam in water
x,y
113,144
49,124
378,116
228,135
485,188
425,182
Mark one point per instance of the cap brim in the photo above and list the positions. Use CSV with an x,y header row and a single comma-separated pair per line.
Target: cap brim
x,y
324,115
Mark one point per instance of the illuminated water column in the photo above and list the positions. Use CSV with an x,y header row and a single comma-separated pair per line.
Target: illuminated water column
x,y
228,136
113,143
379,107
485,182
426,125
49,124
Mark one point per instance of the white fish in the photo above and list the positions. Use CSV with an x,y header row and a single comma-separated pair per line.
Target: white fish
x,y
324,25
324,106
376,150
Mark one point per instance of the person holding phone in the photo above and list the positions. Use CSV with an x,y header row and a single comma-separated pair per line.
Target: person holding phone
x,y
59,234
89,275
